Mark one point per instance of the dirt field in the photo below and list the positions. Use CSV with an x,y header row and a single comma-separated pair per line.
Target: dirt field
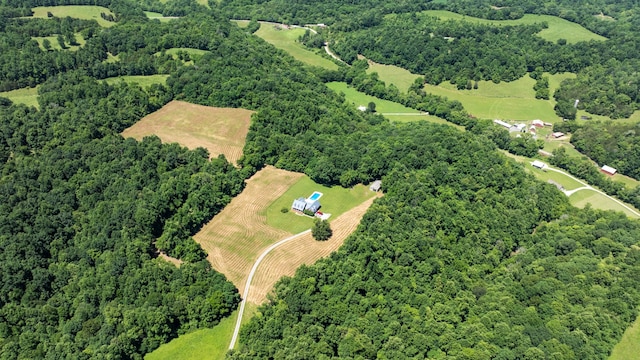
x,y
237,236
220,130
304,250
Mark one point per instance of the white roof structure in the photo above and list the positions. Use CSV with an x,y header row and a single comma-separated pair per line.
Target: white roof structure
x,y
537,122
502,123
538,164
362,108
609,170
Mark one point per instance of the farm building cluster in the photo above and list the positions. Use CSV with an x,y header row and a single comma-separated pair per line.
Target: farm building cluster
x,y
522,127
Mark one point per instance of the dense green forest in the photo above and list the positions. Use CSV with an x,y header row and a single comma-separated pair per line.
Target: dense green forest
x,y
464,257
610,144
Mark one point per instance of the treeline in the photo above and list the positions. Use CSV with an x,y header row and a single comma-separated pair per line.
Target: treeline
x,y
448,264
610,144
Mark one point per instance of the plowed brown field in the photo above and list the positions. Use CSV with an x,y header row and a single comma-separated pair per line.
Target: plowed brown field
x,y
285,259
219,130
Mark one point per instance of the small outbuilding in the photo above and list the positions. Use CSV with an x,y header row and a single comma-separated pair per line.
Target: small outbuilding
x,y
537,123
538,164
608,170
502,123
557,134
518,128
376,185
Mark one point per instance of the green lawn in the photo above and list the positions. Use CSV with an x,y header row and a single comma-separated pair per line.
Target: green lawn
x,y
629,182
190,51
27,96
558,28
491,107
53,40
391,74
210,344
287,41
629,346
158,16
143,81
567,182
583,197
335,201
86,12
554,144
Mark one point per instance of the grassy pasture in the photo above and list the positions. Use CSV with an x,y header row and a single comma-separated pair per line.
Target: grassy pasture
x,y
219,130
204,343
567,182
143,80
158,16
392,74
56,46
287,40
401,112
27,96
489,107
558,28
598,201
628,181
335,201
629,346
87,12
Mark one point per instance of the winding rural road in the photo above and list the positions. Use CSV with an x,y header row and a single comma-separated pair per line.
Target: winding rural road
x,y
586,186
247,286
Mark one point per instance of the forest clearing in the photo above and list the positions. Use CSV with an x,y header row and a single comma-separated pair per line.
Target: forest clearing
x,y
27,96
220,130
558,28
85,12
286,39
143,80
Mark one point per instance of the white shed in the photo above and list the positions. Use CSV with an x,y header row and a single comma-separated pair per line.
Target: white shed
x,y
538,164
609,170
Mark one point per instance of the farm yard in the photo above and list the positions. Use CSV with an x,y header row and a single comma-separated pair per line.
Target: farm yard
x,y
220,130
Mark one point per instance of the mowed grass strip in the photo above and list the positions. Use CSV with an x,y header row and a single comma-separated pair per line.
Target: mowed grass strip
x,y
239,233
27,96
583,197
558,28
219,130
629,347
286,39
143,81
284,260
86,12
335,201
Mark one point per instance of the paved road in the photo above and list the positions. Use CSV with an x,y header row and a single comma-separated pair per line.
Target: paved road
x,y
247,286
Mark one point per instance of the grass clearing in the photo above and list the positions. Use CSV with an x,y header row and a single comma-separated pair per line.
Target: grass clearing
x,y
628,181
567,182
391,74
143,80
158,16
491,107
629,345
86,12
399,112
27,96
55,45
583,197
219,130
558,28
335,201
286,39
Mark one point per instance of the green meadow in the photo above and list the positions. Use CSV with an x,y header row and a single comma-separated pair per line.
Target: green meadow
x,y
87,12
143,81
629,346
157,16
287,40
399,112
558,28
335,201
210,344
567,182
598,201
55,45
391,74
27,96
